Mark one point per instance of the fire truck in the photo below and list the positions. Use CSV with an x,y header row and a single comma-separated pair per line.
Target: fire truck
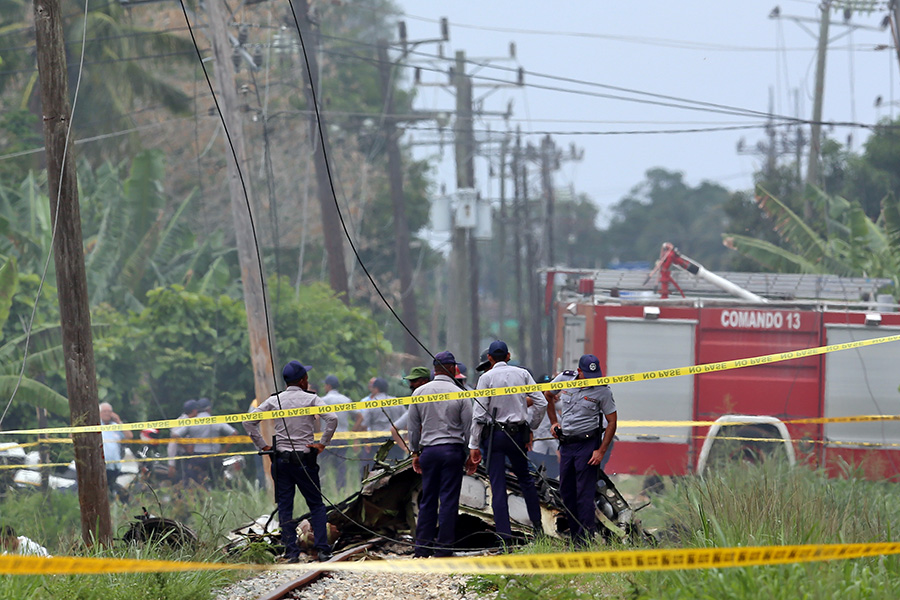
x,y
636,321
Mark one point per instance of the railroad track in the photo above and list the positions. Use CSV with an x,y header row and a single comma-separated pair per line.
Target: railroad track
x,y
286,590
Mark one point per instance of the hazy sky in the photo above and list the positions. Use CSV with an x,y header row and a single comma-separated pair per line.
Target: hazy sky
x,y
727,53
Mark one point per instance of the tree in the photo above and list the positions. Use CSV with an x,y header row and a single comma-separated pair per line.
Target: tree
x,y
853,244
664,208
121,78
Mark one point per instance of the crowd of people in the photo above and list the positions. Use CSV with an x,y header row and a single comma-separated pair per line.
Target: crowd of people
x,y
448,439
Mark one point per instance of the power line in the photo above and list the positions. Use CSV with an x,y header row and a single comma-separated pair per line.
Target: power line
x,y
647,41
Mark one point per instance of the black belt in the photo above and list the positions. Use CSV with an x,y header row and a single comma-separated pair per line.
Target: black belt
x,y
511,428
578,437
297,458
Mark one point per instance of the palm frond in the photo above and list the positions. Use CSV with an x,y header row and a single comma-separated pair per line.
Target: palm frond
x,y
34,393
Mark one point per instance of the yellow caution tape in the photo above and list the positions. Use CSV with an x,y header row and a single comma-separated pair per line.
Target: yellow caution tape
x,y
538,387
528,564
178,457
231,439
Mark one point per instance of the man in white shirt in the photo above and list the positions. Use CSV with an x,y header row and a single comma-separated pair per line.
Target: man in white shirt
x,y
10,543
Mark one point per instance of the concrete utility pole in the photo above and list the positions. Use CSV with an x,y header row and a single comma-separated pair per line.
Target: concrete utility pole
x,y
536,348
462,331
517,223
251,274
895,26
71,280
504,259
332,232
815,142
401,224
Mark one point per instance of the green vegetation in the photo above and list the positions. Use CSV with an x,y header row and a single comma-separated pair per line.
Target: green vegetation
x,y
53,520
749,505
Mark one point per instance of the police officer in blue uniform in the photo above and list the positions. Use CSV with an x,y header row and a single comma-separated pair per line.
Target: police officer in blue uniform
x,y
582,443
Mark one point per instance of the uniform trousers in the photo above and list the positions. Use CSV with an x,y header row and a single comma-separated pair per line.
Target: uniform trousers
x,y
302,472
510,446
442,473
578,487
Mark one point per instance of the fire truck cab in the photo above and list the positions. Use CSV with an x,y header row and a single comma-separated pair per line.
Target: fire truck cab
x,y
629,321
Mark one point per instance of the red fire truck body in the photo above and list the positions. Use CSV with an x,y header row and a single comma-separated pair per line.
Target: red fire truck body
x,y
634,330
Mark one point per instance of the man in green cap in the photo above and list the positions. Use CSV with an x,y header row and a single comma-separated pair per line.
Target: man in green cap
x,y
418,377
437,438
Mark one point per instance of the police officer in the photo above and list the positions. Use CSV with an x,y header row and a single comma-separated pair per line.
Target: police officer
x,y
582,444
294,463
438,432
505,421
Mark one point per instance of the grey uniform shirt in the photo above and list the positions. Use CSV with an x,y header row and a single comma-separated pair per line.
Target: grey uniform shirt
x,y
211,430
435,423
582,408
511,408
335,397
301,429
376,420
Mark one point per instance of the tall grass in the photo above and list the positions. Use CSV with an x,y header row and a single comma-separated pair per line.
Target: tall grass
x,y
747,505
53,520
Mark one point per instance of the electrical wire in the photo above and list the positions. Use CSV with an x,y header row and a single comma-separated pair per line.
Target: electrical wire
x,y
647,41
62,171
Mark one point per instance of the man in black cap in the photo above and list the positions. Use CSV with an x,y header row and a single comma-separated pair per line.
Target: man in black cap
x,y
294,462
504,419
438,432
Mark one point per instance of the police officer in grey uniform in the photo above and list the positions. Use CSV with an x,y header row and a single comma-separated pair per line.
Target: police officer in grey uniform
x,y
505,421
582,444
205,467
295,459
438,432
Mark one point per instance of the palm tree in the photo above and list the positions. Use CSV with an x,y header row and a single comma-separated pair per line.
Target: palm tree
x,y
852,243
117,73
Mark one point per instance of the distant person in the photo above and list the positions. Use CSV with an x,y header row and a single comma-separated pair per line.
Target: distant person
x,y
336,458
10,543
501,431
174,449
112,449
462,377
438,432
387,418
202,468
333,396
295,461
582,444
544,447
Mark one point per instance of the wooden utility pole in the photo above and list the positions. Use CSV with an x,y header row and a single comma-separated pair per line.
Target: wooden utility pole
x,y
464,314
815,142
241,203
401,224
71,281
332,232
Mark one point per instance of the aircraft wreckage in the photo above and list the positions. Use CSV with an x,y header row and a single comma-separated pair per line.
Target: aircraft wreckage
x,y
387,505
